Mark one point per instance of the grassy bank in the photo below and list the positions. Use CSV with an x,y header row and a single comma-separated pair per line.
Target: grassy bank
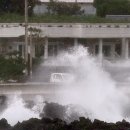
x,y
11,18
67,19
14,18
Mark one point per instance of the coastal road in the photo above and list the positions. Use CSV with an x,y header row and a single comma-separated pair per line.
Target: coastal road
x,y
29,88
42,88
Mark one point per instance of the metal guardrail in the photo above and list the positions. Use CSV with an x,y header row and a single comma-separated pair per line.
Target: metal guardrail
x,y
30,88
45,89
30,84
44,84
70,25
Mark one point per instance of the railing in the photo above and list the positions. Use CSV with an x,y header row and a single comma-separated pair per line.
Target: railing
x,y
68,25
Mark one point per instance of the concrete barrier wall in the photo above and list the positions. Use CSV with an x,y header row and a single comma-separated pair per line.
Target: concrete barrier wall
x,y
118,17
69,30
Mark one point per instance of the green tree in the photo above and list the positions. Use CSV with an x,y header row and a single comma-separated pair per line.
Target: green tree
x,y
63,8
100,6
4,5
112,7
11,66
17,6
99,2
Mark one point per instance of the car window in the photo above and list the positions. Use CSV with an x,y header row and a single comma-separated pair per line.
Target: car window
x,y
58,76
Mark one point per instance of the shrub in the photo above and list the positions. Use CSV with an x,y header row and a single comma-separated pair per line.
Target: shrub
x,y
112,7
64,8
11,66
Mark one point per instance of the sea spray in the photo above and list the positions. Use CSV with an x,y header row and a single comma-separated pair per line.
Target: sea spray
x,y
93,89
92,92
16,111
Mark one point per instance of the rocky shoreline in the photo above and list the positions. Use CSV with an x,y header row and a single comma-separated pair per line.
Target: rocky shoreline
x,y
58,124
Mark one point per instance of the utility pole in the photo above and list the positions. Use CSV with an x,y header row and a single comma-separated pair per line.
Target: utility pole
x,y
30,55
26,35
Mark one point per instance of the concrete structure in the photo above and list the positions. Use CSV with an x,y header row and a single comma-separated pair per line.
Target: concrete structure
x,y
86,6
118,17
44,88
108,40
46,48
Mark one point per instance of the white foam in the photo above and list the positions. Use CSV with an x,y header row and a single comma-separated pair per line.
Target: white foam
x,y
93,88
16,111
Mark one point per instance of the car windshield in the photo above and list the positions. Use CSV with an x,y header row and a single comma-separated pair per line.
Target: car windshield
x,y
58,77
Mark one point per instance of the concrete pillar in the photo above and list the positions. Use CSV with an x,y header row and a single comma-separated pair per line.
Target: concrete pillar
x,y
100,52
75,42
23,51
94,49
46,48
33,50
113,51
125,48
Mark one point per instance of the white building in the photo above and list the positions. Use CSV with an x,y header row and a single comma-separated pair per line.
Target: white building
x,y
86,6
111,41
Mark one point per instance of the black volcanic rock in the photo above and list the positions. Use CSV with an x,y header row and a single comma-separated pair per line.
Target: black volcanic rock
x,y
54,110
4,125
58,124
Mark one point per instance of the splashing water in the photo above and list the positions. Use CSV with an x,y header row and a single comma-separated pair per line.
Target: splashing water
x,y
92,91
17,111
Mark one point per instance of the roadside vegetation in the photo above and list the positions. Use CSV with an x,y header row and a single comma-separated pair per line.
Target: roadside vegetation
x,y
51,18
112,7
11,67
16,6
62,12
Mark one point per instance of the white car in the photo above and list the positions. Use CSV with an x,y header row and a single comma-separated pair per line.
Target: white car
x,y
61,77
